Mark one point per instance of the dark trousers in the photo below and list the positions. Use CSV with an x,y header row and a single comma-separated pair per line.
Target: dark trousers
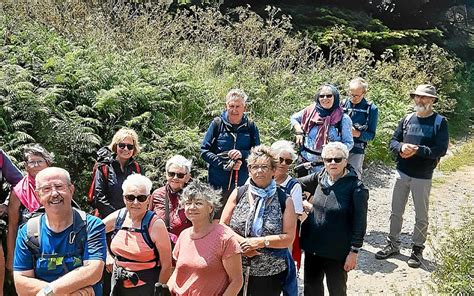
x,y
315,268
265,285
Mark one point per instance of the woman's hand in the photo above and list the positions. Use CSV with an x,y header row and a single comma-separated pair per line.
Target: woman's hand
x,y
109,263
307,206
299,140
351,261
251,243
251,254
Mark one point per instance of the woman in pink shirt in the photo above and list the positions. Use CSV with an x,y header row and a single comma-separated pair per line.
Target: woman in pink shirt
x,y
208,259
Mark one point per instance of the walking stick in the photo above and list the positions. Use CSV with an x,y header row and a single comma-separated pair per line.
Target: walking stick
x,y
246,279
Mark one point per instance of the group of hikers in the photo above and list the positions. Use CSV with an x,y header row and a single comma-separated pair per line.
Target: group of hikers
x,y
241,233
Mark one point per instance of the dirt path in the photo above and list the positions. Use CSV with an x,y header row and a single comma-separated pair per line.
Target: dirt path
x,y
451,197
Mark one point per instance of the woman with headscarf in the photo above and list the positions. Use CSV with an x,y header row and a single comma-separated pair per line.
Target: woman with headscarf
x,y
318,124
23,198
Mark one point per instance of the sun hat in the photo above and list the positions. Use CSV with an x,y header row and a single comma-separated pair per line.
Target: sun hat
x,y
426,90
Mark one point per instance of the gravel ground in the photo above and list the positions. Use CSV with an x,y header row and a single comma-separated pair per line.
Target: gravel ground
x,y
451,197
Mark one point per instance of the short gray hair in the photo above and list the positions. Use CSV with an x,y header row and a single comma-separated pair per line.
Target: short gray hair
x,y
179,161
359,82
50,170
284,146
337,146
139,181
38,150
236,94
200,190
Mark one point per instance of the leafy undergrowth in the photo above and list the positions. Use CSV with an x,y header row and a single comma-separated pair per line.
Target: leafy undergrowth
x,y
464,156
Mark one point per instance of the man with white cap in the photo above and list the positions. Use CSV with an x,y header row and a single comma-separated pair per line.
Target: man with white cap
x,y
420,140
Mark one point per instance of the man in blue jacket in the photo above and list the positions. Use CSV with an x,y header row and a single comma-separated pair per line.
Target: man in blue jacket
x,y
420,140
364,117
227,145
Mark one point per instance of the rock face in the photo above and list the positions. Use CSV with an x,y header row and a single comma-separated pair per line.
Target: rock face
x,y
451,199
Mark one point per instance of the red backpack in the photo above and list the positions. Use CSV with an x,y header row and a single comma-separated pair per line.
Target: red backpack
x,y
104,159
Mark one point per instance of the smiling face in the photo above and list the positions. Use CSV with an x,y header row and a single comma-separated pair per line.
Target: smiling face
x,y
135,193
35,164
198,210
356,94
54,192
284,162
261,171
326,97
334,168
123,151
177,177
235,110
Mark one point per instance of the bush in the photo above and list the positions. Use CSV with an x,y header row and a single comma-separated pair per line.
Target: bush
x,y
454,274
72,74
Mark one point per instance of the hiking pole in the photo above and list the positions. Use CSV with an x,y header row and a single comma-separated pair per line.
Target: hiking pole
x,y
246,279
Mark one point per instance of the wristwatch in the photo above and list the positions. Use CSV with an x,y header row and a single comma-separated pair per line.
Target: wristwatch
x,y
266,242
355,250
48,291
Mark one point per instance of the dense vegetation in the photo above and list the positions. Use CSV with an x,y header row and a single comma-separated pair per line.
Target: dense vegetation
x,y
72,74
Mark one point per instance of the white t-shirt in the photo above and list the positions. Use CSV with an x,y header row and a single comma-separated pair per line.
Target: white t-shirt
x,y
296,195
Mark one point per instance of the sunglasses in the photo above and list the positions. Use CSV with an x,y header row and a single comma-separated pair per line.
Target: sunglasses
x,y
287,161
325,96
123,145
335,159
178,175
131,197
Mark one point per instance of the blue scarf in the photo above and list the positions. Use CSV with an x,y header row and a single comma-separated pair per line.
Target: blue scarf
x,y
261,196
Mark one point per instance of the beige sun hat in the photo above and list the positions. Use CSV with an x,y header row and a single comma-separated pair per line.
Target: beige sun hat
x,y
426,90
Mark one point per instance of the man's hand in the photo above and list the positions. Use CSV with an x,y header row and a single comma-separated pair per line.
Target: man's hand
x,y
351,261
355,132
408,150
235,154
237,165
299,140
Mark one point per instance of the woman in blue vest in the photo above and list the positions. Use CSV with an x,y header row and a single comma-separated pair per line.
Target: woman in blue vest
x,y
227,145
318,124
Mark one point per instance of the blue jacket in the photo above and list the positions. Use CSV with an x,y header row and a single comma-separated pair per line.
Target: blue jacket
x,y
365,115
247,137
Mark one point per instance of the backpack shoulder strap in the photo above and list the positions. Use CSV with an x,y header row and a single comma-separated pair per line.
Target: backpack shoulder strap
x,y
137,167
167,209
215,133
282,197
240,192
437,124
407,120
33,236
78,235
145,228
119,221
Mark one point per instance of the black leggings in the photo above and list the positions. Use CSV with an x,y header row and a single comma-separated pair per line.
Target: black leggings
x,y
265,285
315,268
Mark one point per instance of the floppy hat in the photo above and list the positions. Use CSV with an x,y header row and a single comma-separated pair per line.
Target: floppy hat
x,y
426,90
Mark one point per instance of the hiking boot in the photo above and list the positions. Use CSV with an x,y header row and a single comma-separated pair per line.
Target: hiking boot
x,y
416,256
387,251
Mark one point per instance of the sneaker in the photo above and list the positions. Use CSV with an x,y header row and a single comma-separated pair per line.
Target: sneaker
x,y
416,256
387,251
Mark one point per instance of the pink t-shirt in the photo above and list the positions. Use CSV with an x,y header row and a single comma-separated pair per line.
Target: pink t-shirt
x,y
199,267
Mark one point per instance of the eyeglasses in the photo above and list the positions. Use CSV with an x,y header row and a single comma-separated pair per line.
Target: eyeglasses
x,y
48,189
287,161
335,159
131,197
325,96
356,96
178,175
34,163
256,167
123,145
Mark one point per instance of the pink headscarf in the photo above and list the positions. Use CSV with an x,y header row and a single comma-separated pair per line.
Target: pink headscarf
x,y
25,190
311,117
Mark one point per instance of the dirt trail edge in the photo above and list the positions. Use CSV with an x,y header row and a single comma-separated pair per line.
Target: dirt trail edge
x,y
451,197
